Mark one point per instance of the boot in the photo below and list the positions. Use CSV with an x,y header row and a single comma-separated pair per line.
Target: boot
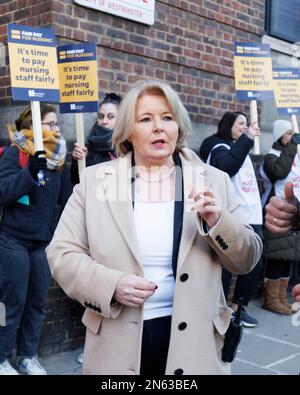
x,y
272,302
284,282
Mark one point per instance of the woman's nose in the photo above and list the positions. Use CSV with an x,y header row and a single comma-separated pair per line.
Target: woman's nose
x,y
157,126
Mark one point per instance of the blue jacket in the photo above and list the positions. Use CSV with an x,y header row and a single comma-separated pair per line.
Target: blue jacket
x,y
34,221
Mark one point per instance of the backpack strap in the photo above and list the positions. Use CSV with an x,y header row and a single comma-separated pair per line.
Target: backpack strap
x,y
23,159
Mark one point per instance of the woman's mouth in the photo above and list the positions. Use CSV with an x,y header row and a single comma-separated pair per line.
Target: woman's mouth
x,y
159,143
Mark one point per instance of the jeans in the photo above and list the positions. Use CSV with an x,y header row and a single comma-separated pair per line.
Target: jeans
x,y
24,281
245,283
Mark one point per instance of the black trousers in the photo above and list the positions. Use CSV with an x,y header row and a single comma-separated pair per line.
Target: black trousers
x,y
277,269
155,346
245,283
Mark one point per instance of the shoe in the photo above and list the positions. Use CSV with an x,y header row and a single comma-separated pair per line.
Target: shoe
x,y
80,358
275,298
249,321
31,367
7,370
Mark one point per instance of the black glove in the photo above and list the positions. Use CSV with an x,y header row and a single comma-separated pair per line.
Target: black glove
x,y
36,164
296,138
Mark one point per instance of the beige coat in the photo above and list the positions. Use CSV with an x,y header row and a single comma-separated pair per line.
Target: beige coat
x,y
95,244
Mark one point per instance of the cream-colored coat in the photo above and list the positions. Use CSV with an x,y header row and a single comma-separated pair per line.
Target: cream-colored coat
x,y
95,244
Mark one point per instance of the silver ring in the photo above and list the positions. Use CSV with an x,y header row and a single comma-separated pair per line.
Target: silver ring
x,y
275,219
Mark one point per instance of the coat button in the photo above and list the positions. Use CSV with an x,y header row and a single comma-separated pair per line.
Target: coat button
x,y
178,372
218,237
182,326
184,277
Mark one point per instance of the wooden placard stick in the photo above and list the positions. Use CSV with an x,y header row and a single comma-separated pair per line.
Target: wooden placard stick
x,y
254,118
295,130
80,139
37,125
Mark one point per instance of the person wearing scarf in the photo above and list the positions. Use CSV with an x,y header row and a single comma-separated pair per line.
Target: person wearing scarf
x,y
30,213
99,141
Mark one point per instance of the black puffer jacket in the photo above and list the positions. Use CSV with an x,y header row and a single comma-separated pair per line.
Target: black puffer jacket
x,y
38,220
99,146
278,168
282,247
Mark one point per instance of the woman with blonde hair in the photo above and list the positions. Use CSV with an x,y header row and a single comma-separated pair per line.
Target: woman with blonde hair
x,y
141,244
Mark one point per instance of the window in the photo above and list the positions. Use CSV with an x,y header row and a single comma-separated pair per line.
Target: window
x,y
283,19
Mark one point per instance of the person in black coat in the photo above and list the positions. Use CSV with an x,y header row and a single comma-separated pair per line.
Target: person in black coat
x,y
31,201
228,150
99,146
280,166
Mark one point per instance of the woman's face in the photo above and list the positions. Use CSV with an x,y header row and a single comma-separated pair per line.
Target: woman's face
x,y
286,138
49,122
155,131
107,115
239,127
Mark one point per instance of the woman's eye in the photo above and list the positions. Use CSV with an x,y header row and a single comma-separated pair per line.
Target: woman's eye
x,y
168,118
146,119
111,116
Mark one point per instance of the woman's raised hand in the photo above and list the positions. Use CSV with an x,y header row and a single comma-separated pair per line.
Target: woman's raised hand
x,y
253,130
79,152
207,205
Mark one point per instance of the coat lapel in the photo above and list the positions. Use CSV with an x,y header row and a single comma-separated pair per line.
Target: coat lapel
x,y
117,189
193,175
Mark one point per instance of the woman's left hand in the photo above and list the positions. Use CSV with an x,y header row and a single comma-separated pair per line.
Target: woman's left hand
x,y
207,205
253,130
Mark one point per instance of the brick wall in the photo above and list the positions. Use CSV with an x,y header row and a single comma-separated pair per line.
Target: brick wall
x,y
190,46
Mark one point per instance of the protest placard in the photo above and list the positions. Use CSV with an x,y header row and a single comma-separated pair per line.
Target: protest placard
x,y
33,63
253,76
287,90
77,65
287,94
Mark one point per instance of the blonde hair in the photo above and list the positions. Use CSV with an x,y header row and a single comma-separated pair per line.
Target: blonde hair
x,y
126,115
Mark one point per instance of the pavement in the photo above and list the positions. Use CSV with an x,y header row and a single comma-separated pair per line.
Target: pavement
x,y
271,348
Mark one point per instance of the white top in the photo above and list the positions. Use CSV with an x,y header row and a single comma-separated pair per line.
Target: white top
x,y
154,229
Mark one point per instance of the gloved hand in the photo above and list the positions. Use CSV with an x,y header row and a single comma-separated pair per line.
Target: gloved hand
x,y
36,164
296,138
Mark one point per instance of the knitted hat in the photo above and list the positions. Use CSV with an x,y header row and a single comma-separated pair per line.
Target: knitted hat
x,y
280,127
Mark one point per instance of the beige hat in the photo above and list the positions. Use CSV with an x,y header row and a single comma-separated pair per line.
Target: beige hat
x,y
280,127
